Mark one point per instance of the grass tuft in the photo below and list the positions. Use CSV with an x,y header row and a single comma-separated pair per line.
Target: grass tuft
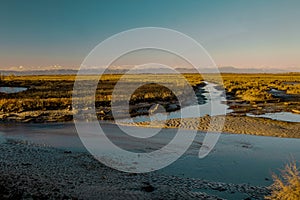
x,y
286,186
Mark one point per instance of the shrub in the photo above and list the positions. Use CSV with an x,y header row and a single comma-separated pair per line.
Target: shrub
x,y
255,95
286,186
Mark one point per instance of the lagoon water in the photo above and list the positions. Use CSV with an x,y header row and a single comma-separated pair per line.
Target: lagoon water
x,y
215,99
10,90
234,159
281,116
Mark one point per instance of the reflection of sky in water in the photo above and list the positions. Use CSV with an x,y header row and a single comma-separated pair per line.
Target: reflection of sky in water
x,y
238,159
281,116
235,158
10,90
214,98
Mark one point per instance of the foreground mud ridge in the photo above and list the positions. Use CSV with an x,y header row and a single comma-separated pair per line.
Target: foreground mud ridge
x,y
30,171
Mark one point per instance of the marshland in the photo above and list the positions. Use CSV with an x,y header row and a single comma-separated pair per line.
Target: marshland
x,y
36,124
49,98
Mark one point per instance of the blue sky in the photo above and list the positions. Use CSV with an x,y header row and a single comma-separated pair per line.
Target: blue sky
x,y
257,33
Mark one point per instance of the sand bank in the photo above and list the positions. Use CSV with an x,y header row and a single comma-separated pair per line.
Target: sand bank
x,y
235,125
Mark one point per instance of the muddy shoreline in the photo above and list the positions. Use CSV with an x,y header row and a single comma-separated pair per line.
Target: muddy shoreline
x,y
236,122
30,171
234,125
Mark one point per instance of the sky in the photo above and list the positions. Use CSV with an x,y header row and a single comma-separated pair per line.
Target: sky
x,y
60,33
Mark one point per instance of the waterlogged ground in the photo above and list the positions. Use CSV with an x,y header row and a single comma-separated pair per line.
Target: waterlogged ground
x,y
236,159
52,157
10,90
280,116
215,105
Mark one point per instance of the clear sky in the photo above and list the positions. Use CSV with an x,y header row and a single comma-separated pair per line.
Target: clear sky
x,y
240,33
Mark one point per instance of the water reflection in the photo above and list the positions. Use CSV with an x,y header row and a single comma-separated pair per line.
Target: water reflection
x,y
280,116
10,90
214,97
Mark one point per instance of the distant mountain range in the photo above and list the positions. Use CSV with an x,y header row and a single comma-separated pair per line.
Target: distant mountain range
x,y
257,70
148,70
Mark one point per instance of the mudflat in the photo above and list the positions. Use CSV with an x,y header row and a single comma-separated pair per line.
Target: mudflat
x,y
234,124
30,171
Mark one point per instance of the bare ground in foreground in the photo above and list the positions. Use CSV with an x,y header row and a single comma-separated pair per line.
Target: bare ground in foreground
x,y
29,171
